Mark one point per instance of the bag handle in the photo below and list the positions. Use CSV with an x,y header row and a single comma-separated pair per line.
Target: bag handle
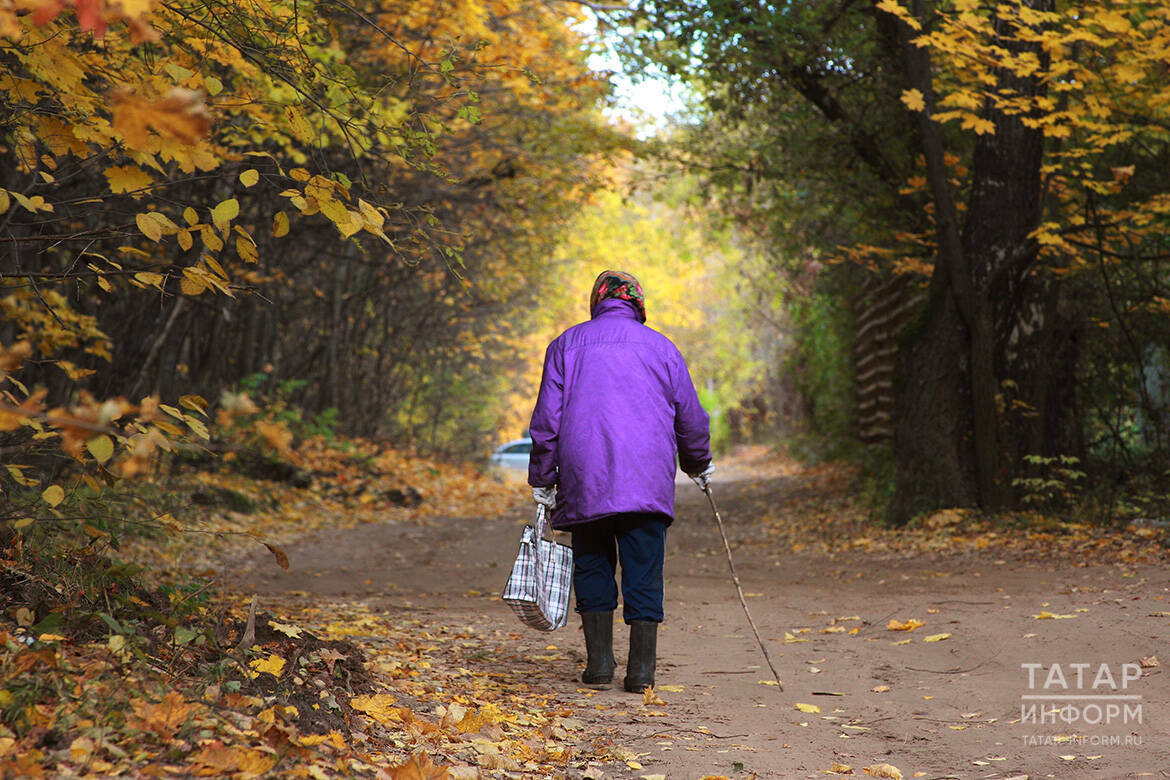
x,y
542,525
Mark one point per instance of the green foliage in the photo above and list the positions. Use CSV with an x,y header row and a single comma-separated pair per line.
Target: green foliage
x,y
717,409
876,474
1053,483
821,363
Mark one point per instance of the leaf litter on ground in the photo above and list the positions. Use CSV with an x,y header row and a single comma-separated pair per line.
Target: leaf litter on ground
x,y
325,686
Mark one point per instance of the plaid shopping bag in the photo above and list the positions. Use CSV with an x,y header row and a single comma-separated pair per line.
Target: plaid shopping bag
x,y
538,588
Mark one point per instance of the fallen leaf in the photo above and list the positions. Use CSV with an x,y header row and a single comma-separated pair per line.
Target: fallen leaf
x,y
807,707
273,665
419,767
839,769
234,760
880,688
649,697
378,706
163,718
1046,615
909,625
1149,662
883,770
936,637
669,688
473,722
286,629
81,749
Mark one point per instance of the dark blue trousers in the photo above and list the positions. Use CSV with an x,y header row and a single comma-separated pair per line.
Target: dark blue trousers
x,y
638,541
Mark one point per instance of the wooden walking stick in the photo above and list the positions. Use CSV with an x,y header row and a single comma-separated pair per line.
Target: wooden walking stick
x,y
739,588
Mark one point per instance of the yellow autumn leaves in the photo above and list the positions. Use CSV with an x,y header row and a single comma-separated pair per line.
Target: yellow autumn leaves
x,y
913,624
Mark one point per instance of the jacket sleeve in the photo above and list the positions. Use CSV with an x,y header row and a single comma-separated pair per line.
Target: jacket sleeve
x,y
546,420
692,426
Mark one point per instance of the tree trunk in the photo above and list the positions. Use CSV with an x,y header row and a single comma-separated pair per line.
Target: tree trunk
x,y
934,451
986,320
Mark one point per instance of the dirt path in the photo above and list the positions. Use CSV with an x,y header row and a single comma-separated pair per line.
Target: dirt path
x,y
950,708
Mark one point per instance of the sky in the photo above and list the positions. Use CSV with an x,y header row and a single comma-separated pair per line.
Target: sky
x,y
646,101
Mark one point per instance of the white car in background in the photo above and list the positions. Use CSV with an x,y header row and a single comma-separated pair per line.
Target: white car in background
x,y
513,455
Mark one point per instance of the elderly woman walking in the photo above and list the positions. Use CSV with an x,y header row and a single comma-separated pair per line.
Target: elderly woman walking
x,y
616,407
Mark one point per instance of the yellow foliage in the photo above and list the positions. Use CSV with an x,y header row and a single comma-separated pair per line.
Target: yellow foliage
x,y
1099,72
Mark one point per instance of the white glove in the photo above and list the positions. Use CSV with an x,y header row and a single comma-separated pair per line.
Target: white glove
x,y
545,496
703,479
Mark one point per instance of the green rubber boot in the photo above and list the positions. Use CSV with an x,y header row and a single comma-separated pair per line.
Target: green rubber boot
x,y
599,649
643,655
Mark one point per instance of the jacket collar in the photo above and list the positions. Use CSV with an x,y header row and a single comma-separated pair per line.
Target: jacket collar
x,y
615,307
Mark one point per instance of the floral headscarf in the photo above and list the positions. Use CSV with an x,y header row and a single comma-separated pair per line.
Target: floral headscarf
x,y
620,285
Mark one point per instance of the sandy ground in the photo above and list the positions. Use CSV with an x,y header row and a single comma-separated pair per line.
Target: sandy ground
x,y
951,708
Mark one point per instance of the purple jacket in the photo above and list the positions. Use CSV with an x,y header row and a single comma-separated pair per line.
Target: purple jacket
x,y
616,405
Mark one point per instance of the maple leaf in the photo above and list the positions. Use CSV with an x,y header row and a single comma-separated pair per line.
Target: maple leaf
x,y
883,770
89,16
231,759
330,657
913,99
378,706
419,767
909,625
127,178
484,716
11,357
273,665
893,7
287,629
180,115
650,697
163,718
